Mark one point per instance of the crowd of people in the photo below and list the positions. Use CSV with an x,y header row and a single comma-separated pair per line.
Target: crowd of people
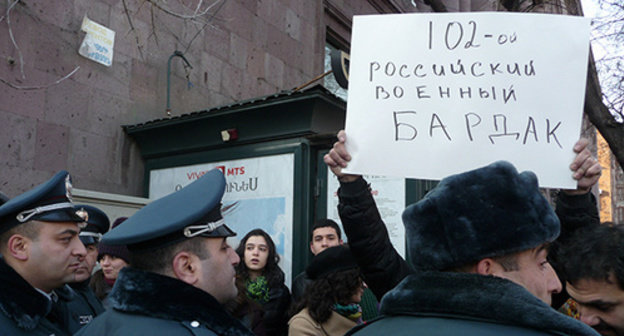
x,y
487,255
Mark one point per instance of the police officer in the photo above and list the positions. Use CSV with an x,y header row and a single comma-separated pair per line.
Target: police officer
x,y
181,269
40,252
85,305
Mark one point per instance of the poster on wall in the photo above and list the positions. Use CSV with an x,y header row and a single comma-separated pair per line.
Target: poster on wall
x,y
258,194
389,195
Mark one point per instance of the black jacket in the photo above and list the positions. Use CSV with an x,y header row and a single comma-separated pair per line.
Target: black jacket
x,y
84,306
382,266
146,303
447,303
24,310
299,284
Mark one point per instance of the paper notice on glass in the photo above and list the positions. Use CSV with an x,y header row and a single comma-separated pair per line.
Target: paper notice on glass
x,y
389,195
98,43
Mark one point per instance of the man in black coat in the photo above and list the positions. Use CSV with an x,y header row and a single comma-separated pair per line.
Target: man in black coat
x,y
181,269
478,242
40,253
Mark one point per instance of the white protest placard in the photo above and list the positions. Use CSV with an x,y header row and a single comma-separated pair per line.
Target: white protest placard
x,y
98,43
436,94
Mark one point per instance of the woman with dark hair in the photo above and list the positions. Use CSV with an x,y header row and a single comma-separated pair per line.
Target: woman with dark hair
x,y
330,304
112,259
263,299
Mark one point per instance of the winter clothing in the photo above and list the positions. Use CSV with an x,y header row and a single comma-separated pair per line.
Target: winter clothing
x,y
448,303
118,251
299,284
24,310
147,303
195,210
264,314
302,324
382,267
50,201
101,288
369,303
487,212
84,307
97,223
331,260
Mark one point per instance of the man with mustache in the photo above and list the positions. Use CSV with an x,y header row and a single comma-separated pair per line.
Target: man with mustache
x,y
40,253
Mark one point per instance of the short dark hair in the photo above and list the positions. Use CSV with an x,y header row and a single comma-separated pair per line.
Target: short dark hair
x,y
326,222
594,253
508,262
29,230
159,260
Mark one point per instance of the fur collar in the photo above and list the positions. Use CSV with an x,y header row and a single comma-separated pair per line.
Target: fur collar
x,y
19,301
155,295
476,296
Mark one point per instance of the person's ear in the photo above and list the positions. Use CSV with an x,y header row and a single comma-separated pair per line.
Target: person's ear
x,y
341,242
186,267
486,266
18,247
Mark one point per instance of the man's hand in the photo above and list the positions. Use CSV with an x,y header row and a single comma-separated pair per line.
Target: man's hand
x,y
586,169
338,158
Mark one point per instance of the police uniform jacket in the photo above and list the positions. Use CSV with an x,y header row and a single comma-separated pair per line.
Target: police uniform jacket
x,y
24,310
146,303
84,306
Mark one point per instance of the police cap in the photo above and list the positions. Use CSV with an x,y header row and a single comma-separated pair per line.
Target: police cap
x,y
195,210
97,223
48,202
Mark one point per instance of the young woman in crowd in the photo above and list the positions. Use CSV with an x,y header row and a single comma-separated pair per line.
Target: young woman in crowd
x,y
112,259
263,299
330,304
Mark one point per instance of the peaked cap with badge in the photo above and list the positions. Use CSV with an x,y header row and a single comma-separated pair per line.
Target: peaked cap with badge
x,y
51,201
487,212
97,223
195,210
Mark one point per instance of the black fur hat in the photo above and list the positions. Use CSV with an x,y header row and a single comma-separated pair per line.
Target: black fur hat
x,y
486,212
331,260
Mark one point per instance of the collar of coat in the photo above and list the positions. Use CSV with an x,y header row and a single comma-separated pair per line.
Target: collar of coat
x,y
19,301
476,296
159,296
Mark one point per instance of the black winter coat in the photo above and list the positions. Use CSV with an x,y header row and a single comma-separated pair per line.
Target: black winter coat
x,y
449,304
146,303
24,310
